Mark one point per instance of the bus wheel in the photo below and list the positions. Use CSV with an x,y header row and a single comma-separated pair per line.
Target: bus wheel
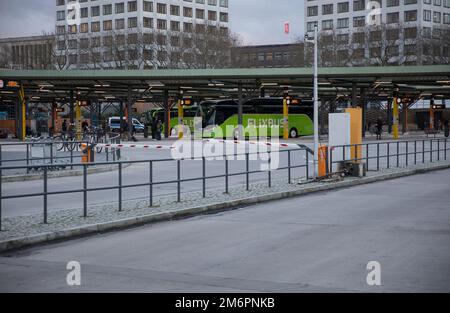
x,y
293,133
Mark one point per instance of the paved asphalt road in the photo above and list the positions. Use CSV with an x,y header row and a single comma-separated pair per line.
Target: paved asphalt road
x,y
167,171
319,242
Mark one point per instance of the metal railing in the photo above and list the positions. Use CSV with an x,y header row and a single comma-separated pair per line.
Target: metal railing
x,y
55,157
390,154
302,154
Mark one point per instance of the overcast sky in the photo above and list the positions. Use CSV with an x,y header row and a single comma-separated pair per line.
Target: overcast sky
x,y
257,21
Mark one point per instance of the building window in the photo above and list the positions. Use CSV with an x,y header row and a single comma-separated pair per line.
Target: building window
x,y
107,9
393,3
343,7
410,2
175,10
187,12
161,24
161,8
327,24
84,28
107,25
132,22
310,26
148,6
60,15
327,9
120,23
95,27
148,22
393,18
95,11
313,11
212,15
342,23
436,17
359,21
132,6
411,16
120,8
175,26
411,33
359,5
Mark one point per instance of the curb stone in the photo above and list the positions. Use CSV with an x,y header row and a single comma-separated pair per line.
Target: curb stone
x,y
29,241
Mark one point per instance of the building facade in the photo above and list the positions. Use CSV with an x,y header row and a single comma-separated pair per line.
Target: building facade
x,y
288,55
136,34
382,32
26,52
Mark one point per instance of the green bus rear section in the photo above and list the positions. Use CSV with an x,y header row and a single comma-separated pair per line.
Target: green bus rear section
x,y
261,124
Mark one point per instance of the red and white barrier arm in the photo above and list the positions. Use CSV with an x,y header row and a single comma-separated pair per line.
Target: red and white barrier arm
x,y
133,146
261,143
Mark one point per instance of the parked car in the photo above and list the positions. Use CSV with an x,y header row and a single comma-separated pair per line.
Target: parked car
x,y
114,124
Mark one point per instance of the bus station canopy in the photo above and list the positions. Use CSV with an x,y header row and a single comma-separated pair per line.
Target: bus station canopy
x,y
152,85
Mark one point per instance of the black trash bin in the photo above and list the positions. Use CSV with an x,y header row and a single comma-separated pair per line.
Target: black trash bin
x,y
146,131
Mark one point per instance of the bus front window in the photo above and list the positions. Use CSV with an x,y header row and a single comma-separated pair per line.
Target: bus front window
x,y
210,118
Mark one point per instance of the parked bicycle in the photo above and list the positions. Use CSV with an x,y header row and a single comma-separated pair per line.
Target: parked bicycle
x,y
95,135
66,141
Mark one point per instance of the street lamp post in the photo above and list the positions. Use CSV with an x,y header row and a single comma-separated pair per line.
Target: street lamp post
x,y
316,102
316,106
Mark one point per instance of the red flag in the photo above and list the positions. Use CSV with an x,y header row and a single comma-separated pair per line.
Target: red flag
x,y
286,28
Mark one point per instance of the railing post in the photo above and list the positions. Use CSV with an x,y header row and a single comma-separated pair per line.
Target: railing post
x,y
378,157
307,165
407,153
107,154
388,155
151,182
367,157
289,167
85,190
331,159
398,154
247,174
445,149
431,150
51,153
270,172
204,176
178,180
45,194
439,150
120,187
423,151
415,152
226,175
71,159
28,158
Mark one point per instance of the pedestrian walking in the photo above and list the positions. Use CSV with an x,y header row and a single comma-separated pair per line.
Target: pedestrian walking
x,y
154,128
158,130
379,128
64,127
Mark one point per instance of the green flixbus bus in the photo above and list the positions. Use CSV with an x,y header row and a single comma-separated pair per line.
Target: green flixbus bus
x,y
189,114
259,116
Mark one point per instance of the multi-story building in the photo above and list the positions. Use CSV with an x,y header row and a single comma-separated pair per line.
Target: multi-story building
x,y
136,33
287,55
382,32
26,52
